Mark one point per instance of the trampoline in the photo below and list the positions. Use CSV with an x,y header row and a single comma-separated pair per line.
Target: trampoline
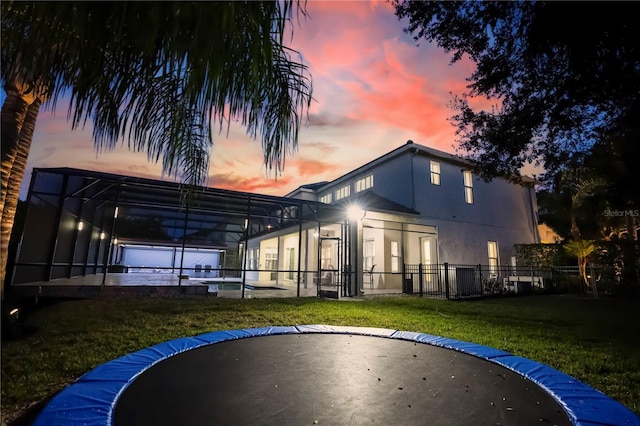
x,y
328,375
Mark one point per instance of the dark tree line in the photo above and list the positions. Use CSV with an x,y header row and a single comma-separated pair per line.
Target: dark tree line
x,y
565,81
565,77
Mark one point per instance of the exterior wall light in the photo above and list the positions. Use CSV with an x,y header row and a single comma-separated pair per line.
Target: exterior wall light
x,y
355,212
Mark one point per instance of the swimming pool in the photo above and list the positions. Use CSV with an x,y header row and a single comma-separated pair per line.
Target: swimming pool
x,y
215,286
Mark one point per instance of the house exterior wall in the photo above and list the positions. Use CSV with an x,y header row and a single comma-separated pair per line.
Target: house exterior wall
x,y
501,211
390,180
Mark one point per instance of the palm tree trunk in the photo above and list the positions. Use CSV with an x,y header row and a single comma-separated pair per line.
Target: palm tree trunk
x,y
575,231
582,265
14,111
15,182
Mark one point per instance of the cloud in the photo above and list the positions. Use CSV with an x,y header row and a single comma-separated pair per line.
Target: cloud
x,y
326,119
369,72
53,124
324,148
148,171
254,184
310,168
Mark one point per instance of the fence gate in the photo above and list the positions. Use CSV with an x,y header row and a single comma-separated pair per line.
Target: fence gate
x,y
424,280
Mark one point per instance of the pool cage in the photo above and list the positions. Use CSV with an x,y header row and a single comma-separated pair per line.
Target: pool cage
x,y
81,223
115,230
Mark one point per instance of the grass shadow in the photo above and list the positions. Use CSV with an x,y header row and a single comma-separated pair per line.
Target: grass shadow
x,y
29,416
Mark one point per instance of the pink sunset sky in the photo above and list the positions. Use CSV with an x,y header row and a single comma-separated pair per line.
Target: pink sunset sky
x,y
374,89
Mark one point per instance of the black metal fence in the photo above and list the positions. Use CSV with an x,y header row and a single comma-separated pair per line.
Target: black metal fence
x,y
451,281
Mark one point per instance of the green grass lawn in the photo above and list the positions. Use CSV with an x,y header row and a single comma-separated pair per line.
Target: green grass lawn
x,y
594,340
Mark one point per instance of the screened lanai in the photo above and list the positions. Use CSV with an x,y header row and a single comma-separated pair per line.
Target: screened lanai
x,y
102,230
81,223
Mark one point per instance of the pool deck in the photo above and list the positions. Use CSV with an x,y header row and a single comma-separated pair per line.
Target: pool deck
x,y
162,284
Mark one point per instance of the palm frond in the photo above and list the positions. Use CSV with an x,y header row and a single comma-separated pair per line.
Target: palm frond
x,y
159,75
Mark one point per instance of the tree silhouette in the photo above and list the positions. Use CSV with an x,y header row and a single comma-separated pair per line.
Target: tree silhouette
x,y
563,76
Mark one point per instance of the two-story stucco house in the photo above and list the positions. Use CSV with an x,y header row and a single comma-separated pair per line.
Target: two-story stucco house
x,y
413,205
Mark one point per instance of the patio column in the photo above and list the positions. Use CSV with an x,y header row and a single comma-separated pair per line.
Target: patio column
x,y
300,207
112,235
54,243
354,219
245,248
79,225
356,259
184,241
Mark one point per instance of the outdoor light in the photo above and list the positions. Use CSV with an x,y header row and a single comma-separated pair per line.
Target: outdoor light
x,y
102,235
80,226
355,212
115,240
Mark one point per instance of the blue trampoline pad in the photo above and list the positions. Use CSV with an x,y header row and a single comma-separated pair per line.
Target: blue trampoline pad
x,y
328,375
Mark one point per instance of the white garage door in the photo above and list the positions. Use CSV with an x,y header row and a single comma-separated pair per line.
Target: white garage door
x,y
197,262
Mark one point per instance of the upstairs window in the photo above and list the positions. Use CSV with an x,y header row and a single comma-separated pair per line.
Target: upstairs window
x,y
468,186
364,183
435,172
343,192
327,198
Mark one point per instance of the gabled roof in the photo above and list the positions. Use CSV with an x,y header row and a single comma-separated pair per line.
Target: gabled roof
x,y
369,200
410,146
310,187
315,185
